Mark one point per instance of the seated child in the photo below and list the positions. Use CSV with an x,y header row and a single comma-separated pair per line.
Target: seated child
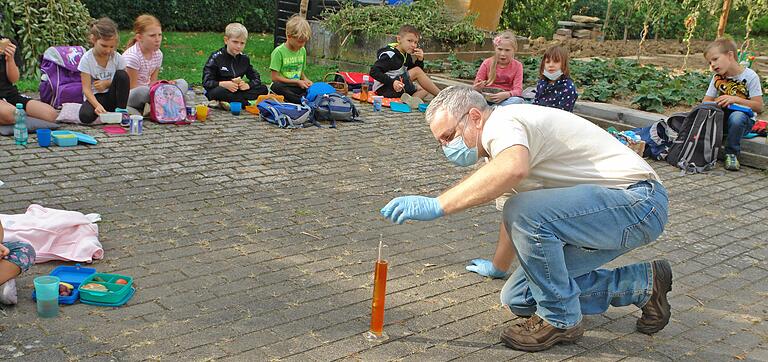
x,y
15,258
502,71
289,60
102,72
9,95
143,60
225,67
400,64
732,84
555,88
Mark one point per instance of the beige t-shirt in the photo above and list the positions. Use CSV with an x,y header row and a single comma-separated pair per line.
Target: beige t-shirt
x,y
565,149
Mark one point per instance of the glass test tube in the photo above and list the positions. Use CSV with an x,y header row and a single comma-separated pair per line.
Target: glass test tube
x,y
379,292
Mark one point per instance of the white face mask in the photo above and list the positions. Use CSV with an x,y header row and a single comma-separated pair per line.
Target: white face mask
x,y
553,75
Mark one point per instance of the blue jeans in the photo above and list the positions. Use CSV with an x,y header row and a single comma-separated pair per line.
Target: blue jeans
x,y
739,124
512,100
563,235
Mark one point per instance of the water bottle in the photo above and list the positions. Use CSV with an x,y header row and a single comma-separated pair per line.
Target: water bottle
x,y
20,133
189,99
364,90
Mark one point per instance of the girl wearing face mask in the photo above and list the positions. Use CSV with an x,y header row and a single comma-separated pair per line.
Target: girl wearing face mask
x,y
555,88
502,71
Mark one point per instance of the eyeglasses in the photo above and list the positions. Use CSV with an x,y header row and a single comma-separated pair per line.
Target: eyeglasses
x,y
441,143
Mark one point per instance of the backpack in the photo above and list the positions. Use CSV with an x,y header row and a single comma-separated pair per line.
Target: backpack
x,y
166,103
698,140
658,137
285,115
318,88
333,107
60,79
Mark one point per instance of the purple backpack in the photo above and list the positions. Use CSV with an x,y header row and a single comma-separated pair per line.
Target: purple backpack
x,y
60,81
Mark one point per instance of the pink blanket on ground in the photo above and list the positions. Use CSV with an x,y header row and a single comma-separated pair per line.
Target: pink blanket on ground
x,y
55,234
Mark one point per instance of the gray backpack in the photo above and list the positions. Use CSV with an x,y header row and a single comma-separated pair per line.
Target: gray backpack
x,y
698,140
333,107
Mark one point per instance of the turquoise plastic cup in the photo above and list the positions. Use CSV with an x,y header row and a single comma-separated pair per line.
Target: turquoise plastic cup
x,y
47,294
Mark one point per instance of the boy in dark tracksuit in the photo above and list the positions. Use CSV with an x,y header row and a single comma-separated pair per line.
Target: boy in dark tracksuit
x,y
399,64
225,67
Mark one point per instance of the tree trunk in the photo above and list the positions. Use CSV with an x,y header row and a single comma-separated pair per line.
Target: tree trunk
x,y
605,21
303,8
723,18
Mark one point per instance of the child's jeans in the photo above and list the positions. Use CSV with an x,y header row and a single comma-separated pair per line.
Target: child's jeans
x,y
22,254
291,93
512,100
738,124
115,97
243,96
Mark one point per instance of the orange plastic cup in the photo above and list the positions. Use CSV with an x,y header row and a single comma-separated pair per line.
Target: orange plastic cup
x,y
202,112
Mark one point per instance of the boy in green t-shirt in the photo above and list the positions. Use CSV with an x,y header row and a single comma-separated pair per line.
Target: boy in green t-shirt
x,y
289,60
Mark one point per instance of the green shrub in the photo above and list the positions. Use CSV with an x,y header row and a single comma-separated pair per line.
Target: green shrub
x,y
431,17
190,15
39,24
534,18
760,27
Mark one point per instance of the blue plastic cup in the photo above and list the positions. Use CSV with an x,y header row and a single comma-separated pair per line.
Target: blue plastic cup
x,y
235,108
44,137
47,294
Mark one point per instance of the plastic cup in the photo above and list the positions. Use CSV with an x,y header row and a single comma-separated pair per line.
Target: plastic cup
x,y
235,108
202,112
377,101
44,137
47,294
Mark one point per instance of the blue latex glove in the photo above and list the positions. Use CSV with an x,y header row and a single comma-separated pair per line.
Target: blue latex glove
x,y
405,208
485,268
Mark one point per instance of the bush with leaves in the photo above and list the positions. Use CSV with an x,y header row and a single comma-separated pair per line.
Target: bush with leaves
x,y
534,17
431,17
39,24
190,15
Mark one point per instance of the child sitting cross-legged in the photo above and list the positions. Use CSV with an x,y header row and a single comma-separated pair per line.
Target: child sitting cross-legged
x,y
223,72
502,71
399,65
289,60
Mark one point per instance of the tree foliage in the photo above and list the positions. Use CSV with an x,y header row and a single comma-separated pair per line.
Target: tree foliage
x,y
39,24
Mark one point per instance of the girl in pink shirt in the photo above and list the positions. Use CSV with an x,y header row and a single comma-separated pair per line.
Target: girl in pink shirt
x,y
502,71
143,60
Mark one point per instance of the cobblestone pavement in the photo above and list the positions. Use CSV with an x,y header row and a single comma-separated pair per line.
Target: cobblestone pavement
x,y
248,242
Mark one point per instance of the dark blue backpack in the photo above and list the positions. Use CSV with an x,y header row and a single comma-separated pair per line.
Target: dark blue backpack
x,y
286,115
658,137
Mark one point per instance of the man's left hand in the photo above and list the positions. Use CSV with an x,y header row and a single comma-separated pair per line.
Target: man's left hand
x,y
405,208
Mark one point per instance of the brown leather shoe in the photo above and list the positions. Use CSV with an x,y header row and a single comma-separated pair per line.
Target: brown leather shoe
x,y
536,334
656,311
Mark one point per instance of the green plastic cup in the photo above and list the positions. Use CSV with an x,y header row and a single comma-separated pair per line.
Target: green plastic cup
x,y
47,294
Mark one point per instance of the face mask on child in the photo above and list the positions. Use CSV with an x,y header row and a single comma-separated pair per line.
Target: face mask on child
x,y
553,75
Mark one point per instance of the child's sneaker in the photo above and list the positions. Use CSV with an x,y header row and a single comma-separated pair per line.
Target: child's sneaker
x,y
411,101
224,105
731,162
8,292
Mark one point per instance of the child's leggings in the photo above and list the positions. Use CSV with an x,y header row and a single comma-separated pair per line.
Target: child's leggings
x,y
115,97
292,93
22,254
242,96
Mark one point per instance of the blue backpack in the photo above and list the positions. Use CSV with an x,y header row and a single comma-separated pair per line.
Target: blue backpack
x,y
286,115
333,107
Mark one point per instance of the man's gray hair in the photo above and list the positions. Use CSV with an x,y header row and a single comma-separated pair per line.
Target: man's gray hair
x,y
456,101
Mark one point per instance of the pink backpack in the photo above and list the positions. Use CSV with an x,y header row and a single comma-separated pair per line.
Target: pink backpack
x,y
166,103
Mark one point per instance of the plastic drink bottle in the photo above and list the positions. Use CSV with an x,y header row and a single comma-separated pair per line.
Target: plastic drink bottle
x,y
20,132
189,99
364,90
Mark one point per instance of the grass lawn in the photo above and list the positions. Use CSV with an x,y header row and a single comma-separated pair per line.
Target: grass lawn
x,y
184,55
